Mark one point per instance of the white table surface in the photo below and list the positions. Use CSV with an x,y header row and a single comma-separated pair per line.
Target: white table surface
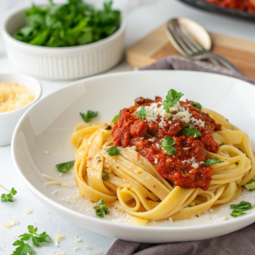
x,y
140,22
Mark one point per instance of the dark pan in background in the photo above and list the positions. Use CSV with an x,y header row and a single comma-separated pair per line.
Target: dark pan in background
x,y
200,4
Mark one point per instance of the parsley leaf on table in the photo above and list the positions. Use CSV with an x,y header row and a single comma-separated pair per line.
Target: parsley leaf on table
x,y
171,99
191,131
88,116
250,185
142,113
209,162
64,167
168,144
197,105
101,208
113,151
24,244
8,197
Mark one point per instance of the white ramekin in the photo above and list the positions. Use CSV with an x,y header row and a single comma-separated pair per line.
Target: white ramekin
x,y
63,63
8,120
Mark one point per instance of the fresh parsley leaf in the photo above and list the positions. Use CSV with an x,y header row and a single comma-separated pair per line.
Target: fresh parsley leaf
x,y
142,113
171,99
197,105
113,151
101,208
23,245
88,116
237,163
250,185
116,118
236,213
105,176
108,127
191,131
186,172
8,197
64,167
242,206
168,144
209,162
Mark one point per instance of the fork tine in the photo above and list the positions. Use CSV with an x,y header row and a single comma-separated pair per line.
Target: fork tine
x,y
179,41
185,38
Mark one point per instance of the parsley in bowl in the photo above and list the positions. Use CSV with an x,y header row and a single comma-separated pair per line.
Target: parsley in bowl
x,y
71,24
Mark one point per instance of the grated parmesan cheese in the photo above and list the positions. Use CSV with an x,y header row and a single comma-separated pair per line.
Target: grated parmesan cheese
x,y
10,224
193,161
57,239
77,239
197,122
152,139
28,211
86,247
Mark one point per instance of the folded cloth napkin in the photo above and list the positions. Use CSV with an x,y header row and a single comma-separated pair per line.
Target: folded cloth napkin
x,y
238,243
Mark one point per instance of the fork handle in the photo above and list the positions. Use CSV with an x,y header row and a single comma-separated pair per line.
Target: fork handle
x,y
224,61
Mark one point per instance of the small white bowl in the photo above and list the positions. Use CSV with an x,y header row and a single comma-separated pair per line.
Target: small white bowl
x,y
8,120
62,63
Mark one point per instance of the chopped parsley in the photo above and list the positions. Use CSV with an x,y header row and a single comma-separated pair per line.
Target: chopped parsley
x,y
171,99
105,176
88,116
191,131
250,185
116,118
237,163
238,210
8,197
186,172
197,105
108,127
168,144
142,113
64,167
209,162
113,151
24,244
101,208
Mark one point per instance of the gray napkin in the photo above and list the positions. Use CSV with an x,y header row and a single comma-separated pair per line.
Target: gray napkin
x,y
238,243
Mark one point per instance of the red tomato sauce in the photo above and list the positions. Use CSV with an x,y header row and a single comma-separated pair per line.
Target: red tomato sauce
x,y
185,168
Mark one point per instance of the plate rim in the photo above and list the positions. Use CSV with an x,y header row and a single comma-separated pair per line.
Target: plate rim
x,y
106,223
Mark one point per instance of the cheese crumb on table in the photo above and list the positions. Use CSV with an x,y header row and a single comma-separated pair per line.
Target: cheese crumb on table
x,y
75,249
100,253
57,239
10,224
28,211
87,247
77,239
61,253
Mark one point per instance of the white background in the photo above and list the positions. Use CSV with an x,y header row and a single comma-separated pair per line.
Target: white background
x,y
143,17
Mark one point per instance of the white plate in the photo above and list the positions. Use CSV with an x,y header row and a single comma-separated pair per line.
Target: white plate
x,y
48,125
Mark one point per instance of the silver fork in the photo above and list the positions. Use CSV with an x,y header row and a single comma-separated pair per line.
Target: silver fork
x,y
188,46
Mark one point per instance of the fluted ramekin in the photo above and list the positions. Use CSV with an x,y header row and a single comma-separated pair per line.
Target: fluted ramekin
x,y
62,63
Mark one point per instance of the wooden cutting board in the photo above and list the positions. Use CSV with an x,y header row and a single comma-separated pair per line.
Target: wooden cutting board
x,y
156,45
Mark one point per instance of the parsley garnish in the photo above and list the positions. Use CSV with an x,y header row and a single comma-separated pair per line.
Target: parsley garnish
x,y
69,24
171,99
250,185
186,172
237,163
8,197
167,144
113,151
142,113
64,167
108,127
209,162
197,105
105,176
239,209
191,131
24,248
88,116
101,208
116,118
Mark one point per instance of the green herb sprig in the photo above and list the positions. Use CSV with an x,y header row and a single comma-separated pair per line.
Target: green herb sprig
x,y
8,197
197,105
168,144
70,24
24,243
113,151
88,116
209,162
238,210
65,167
116,118
191,131
101,209
171,99
142,113
105,176
250,185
